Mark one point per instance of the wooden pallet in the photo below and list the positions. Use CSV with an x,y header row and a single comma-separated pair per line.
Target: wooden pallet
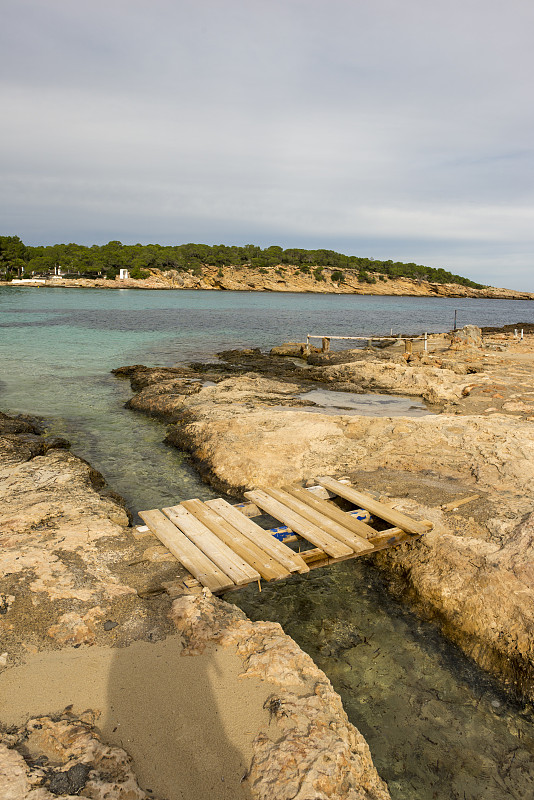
x,y
223,548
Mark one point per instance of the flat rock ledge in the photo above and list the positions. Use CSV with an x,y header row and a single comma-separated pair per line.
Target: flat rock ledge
x,y
474,574
74,575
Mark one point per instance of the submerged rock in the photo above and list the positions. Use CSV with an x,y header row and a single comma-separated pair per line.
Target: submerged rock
x,y
319,754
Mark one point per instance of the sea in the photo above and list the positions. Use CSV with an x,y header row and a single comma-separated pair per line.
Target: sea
x,y
437,727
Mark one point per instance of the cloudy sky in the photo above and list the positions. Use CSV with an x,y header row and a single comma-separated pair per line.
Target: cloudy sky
x,y
378,128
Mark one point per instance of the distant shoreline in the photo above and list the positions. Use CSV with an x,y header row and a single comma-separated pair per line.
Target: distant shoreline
x,y
291,280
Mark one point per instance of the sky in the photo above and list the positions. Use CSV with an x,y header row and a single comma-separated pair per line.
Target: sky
x,y
378,128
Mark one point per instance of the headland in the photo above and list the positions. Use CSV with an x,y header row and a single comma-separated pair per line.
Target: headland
x,y
290,279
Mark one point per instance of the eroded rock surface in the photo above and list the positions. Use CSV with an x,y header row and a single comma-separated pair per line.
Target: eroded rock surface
x,y
476,580
65,551
286,278
319,753
74,575
48,757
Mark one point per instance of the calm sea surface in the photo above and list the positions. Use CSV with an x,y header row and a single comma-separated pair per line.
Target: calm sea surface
x,y
437,728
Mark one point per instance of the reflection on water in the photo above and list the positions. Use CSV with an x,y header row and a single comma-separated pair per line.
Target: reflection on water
x,y
437,727
368,405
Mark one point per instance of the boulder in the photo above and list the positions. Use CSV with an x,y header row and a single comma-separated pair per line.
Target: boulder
x,y
293,349
468,336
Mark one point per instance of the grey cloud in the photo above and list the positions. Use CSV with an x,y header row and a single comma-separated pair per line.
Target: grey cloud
x,y
401,127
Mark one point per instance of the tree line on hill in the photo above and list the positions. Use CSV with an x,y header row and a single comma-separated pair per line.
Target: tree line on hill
x,y
19,260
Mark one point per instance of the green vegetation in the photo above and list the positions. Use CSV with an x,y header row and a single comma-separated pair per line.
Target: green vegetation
x,y
17,259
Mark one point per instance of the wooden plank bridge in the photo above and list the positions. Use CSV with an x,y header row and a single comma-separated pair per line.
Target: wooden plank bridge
x,y
223,548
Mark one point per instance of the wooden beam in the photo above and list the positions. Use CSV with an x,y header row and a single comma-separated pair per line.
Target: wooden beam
x,y
452,506
308,530
218,552
186,552
332,511
247,550
378,509
330,526
393,536
280,552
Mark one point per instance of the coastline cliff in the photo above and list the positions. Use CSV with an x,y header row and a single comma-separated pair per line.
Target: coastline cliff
x,y
285,279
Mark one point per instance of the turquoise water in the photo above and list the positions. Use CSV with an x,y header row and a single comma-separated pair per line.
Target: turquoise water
x,y
57,347
437,728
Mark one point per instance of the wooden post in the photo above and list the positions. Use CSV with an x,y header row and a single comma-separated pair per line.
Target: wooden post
x,y
325,344
407,346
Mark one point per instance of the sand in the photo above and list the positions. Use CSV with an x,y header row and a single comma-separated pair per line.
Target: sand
x,y
187,721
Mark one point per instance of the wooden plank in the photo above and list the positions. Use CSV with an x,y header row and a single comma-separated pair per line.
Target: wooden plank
x,y
314,559
234,566
308,530
280,552
332,511
266,566
456,503
391,537
186,552
379,509
330,526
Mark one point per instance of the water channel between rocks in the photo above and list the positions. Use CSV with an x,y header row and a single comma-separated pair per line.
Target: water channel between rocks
x,y
437,727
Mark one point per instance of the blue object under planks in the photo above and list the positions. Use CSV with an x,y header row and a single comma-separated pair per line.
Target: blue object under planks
x,y
283,532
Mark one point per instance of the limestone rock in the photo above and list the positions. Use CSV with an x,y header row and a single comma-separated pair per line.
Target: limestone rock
x,y
320,754
293,349
67,757
468,336
431,383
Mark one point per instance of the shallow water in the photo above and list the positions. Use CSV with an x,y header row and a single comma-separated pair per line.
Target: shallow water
x,y
430,717
438,728
368,405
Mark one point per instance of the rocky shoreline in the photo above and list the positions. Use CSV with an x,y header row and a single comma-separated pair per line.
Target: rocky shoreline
x,y
90,609
114,677
244,425
285,279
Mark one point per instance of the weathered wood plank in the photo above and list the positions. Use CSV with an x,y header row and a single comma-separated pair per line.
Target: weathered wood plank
x,y
333,547
238,570
332,511
393,536
456,503
267,567
330,526
193,559
375,507
280,552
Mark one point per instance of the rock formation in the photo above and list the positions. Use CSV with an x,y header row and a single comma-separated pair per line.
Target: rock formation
x,y
475,579
288,279
73,575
